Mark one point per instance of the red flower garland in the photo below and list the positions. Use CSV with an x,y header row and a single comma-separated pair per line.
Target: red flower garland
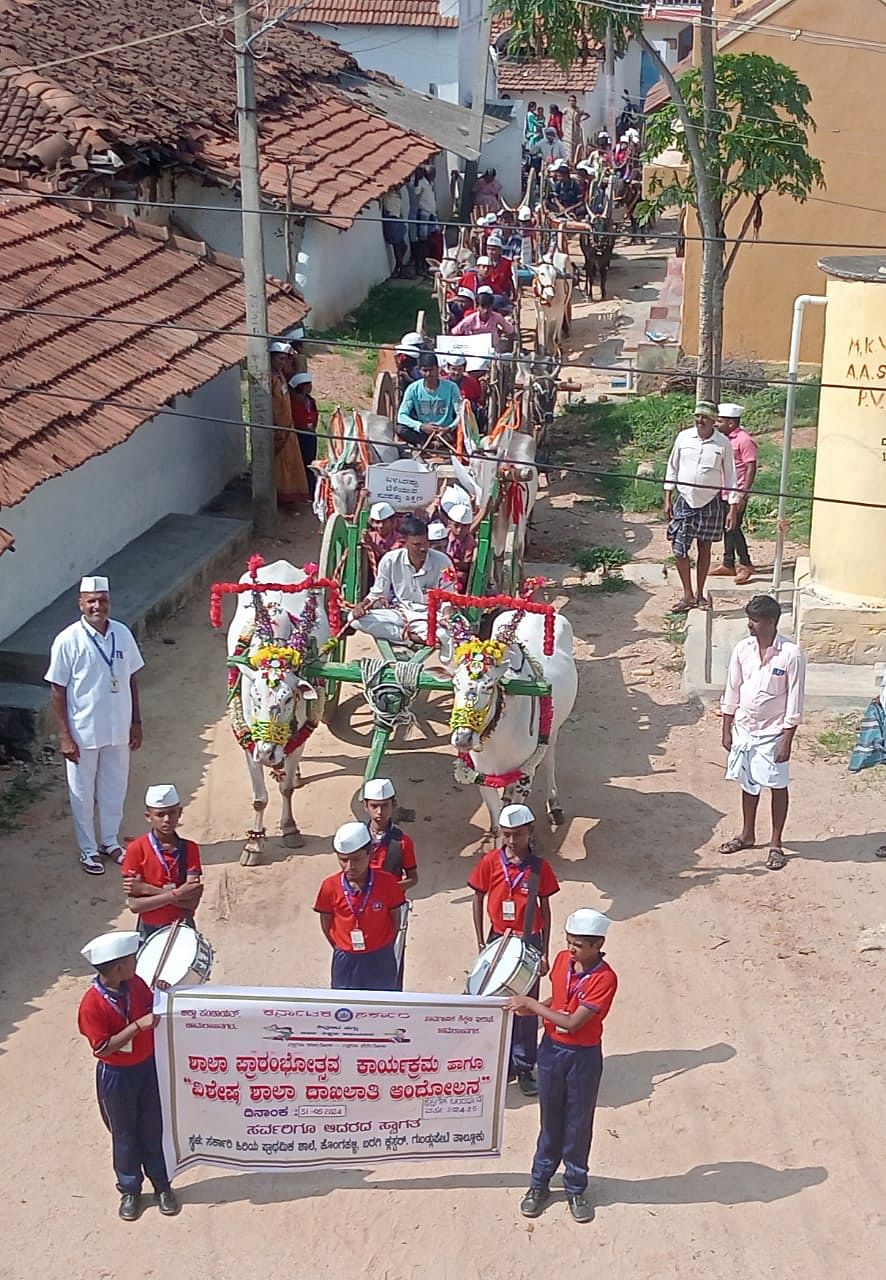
x,y
436,596
333,600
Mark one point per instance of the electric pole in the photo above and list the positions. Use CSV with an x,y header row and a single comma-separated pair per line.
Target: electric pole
x,y
609,82
258,360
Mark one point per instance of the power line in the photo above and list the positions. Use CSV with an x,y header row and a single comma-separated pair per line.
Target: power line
x,y
542,467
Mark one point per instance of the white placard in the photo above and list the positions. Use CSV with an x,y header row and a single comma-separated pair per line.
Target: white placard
x,y
404,486
256,1078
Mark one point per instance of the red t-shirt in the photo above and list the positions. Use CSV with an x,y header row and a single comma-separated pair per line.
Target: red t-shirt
x,y
161,871
504,881
407,854
103,1013
595,990
369,912
500,277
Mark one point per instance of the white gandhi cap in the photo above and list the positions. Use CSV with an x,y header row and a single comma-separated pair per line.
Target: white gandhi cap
x,y
381,511
730,410
459,513
351,837
93,584
515,815
524,213
437,532
161,796
378,789
280,348
110,946
586,923
299,380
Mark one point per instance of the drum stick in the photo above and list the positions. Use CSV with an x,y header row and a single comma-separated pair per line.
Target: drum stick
x,y
503,942
164,956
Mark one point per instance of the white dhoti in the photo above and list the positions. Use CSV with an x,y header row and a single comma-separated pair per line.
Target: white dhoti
x,y
752,762
398,625
97,784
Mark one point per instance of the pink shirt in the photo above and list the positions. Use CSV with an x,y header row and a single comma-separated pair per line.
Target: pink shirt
x,y
744,451
495,323
765,693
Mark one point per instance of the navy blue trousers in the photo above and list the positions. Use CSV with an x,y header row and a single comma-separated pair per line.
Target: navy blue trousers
x,y
524,1033
129,1101
568,1081
365,970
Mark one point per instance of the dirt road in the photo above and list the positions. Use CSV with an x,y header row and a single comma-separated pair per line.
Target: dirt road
x,y
742,1104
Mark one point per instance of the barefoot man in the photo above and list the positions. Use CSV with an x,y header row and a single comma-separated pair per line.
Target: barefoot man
x,y
701,464
762,707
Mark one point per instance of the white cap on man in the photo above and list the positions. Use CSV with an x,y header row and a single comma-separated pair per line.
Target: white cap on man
x,y
162,795
484,260
299,380
381,511
437,532
485,291
515,815
351,837
586,923
88,585
110,946
378,789
560,164
524,213
456,360
495,241
460,513
411,339
280,348
730,410
465,292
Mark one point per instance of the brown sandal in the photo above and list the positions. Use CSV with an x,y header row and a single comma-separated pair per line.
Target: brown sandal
x,y
735,845
777,859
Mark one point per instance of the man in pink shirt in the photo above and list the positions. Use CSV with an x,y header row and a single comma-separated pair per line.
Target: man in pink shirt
x,y
762,707
744,451
486,320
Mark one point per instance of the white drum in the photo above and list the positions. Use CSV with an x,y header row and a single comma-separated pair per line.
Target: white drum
x,y
504,968
188,961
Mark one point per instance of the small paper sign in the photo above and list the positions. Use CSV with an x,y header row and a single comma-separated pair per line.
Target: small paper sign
x,y
403,485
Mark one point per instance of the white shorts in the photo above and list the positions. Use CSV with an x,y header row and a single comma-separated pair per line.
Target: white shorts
x,y
752,762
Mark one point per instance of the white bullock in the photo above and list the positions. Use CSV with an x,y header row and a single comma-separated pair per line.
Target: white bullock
x,y
552,294
355,442
273,709
499,736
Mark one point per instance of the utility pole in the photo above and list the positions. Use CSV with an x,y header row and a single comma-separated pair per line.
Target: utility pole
x,y
609,81
258,360
478,109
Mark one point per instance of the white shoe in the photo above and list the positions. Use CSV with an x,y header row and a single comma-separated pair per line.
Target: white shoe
x,y
91,863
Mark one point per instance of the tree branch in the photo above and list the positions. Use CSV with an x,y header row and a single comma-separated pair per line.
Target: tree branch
x,y
739,239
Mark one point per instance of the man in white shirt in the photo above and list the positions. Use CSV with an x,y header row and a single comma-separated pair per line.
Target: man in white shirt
x,y
700,466
94,693
396,608
550,148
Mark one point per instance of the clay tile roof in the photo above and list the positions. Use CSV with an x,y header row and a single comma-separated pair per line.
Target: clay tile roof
x,y
85,262
173,101
392,13
522,75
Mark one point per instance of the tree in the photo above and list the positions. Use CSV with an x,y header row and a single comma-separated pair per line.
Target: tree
x,y
730,157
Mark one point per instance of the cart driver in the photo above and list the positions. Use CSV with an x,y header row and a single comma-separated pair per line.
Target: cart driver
x,y
430,406
396,608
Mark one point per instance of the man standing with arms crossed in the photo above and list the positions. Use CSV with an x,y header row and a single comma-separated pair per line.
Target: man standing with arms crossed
x,y
762,707
744,451
91,672
700,466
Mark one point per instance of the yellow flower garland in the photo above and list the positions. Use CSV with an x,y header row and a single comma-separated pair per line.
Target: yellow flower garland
x,y
275,653
493,649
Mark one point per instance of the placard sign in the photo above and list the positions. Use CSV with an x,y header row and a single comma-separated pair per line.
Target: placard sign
x,y
404,486
256,1078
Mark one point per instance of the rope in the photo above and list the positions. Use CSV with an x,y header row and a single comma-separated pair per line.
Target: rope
x,y
389,688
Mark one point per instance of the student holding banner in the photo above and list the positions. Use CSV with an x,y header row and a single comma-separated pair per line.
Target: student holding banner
x,y
507,880
359,911
570,1062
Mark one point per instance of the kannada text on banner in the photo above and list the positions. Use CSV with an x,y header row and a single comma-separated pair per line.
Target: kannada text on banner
x,y
272,1079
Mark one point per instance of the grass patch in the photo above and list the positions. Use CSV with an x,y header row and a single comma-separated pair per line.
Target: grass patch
x,y
638,436
388,312
15,797
839,738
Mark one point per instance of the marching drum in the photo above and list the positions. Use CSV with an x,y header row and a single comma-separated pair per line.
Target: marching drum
x,y
177,956
505,967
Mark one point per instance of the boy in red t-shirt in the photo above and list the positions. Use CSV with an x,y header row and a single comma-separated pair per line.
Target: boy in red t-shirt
x,y
570,1062
501,880
359,910
116,1017
392,851
161,871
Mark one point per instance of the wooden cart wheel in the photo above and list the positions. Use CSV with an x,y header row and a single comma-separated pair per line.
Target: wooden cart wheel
x,y
385,399
333,563
512,571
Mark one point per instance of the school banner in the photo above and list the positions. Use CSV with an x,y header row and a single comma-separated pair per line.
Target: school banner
x,y
255,1078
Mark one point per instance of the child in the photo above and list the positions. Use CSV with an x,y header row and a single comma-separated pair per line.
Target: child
x,y
392,851
461,543
438,536
116,1017
382,534
570,1062
161,871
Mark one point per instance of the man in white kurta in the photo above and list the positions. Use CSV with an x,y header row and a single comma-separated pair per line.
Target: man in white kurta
x,y
396,608
92,669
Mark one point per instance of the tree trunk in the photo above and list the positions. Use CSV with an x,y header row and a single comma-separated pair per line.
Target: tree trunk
x,y
710,293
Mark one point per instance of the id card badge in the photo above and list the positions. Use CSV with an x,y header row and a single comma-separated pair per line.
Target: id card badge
x,y
115,685
509,909
358,942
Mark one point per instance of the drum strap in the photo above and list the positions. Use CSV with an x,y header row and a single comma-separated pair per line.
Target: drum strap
x,y
531,899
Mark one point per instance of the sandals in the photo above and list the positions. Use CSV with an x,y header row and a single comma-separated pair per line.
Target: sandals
x,y
777,859
735,845
881,852
114,854
682,606
91,863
